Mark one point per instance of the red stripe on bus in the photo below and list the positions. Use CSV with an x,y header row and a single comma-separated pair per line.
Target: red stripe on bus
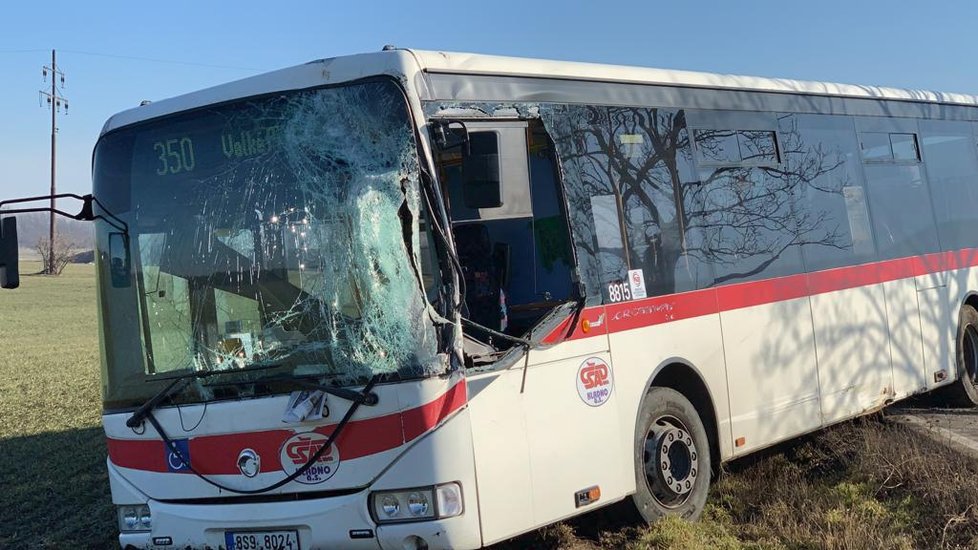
x,y
661,309
416,422
138,454
673,307
752,294
218,454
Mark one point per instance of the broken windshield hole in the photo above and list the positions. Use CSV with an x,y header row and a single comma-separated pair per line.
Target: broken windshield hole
x,y
515,256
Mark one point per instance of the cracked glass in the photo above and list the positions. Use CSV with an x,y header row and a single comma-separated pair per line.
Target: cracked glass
x,y
282,231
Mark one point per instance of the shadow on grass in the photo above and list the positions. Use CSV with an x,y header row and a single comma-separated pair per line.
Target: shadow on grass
x,y
54,492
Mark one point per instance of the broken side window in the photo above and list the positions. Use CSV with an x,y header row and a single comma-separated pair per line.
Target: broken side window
x,y
515,256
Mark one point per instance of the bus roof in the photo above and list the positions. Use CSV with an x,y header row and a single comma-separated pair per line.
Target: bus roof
x,y
400,62
477,64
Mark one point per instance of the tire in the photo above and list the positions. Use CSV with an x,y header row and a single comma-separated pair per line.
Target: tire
x,y
964,392
672,457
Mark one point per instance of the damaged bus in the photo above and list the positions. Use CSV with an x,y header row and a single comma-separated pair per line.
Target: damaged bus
x,y
428,300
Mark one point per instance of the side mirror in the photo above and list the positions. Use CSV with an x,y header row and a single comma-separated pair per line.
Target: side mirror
x,y
120,265
9,273
447,136
480,172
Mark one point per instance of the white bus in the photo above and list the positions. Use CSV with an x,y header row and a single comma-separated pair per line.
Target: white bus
x,y
527,289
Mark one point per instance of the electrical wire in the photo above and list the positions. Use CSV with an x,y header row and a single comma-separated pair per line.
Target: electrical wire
x,y
199,420
172,446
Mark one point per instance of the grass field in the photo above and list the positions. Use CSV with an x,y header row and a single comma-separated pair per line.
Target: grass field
x,y
53,487
867,484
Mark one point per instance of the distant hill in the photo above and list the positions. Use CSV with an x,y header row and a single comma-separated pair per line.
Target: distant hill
x,y
32,227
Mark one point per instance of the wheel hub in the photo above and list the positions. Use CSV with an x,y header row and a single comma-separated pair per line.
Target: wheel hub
x,y
670,464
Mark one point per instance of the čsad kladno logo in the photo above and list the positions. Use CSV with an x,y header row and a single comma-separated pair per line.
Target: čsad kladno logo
x,y
298,449
595,381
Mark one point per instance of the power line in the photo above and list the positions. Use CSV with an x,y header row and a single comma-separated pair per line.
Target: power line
x,y
170,61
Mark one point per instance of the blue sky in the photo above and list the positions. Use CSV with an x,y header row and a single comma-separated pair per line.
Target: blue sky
x,y
896,43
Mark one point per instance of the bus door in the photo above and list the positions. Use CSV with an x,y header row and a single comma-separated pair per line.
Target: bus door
x,y
540,430
903,222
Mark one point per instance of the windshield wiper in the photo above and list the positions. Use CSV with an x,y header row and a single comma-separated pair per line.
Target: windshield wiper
x,y
180,383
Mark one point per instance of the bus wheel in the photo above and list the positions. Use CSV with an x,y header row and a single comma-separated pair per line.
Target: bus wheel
x,y
672,457
964,392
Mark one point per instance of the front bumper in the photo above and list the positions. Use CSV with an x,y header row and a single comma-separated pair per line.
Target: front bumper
x,y
203,525
328,522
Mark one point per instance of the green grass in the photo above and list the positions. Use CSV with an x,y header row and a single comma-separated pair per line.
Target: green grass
x,y
53,487
866,484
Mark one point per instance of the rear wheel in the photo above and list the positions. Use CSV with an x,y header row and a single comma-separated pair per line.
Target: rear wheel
x,y
672,457
964,392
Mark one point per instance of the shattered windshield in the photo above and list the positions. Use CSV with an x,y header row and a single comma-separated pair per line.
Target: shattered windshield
x,y
284,230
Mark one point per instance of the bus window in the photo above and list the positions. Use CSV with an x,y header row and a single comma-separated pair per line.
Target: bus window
x,y
834,195
581,144
737,147
628,171
611,246
656,187
952,166
900,202
747,201
167,299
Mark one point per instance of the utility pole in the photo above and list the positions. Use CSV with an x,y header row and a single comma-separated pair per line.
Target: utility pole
x,y
55,100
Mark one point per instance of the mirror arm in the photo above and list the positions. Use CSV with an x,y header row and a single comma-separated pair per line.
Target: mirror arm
x,y
86,214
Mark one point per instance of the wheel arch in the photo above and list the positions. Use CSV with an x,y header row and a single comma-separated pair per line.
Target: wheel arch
x,y
682,376
970,299
962,390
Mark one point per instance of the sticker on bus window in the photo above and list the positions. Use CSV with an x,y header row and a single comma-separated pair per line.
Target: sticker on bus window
x,y
595,381
636,280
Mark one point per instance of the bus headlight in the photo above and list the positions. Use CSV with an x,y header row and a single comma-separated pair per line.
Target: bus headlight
x,y
135,518
390,505
418,504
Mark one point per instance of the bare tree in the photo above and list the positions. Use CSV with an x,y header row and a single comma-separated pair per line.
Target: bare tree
x,y
64,251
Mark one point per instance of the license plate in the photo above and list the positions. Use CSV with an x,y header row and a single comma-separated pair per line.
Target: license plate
x,y
261,540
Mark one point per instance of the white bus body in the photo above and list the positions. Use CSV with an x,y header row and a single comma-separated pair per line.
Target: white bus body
x,y
774,256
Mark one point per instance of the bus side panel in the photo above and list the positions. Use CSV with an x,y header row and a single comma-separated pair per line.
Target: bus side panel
x,y
906,347
639,352
939,329
771,349
852,345
535,448
502,455
574,444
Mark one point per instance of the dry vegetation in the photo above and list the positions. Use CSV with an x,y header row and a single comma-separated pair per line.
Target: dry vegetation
x,y
53,263
867,484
